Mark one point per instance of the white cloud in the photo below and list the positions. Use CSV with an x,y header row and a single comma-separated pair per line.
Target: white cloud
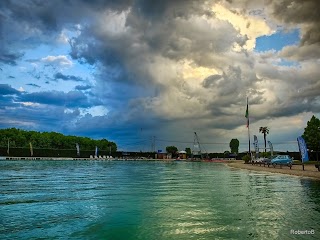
x,y
60,60
30,104
250,26
21,89
301,53
94,111
63,38
111,23
67,33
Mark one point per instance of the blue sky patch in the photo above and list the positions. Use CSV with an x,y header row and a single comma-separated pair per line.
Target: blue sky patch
x,y
277,41
287,63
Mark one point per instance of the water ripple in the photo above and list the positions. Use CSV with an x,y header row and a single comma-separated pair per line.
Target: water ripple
x,y
152,200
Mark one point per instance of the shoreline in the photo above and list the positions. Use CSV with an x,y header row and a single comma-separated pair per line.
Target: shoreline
x,y
4,158
310,170
78,159
94,159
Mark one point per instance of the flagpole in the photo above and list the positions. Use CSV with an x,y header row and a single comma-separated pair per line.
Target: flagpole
x,y
8,150
248,125
249,139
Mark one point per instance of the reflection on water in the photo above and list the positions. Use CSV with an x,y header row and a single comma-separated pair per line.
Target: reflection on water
x,y
311,193
152,200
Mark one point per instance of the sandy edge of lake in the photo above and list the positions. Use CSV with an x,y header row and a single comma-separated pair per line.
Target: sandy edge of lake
x,y
309,170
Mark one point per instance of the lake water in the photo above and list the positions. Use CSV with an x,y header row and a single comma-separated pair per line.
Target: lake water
x,y
152,200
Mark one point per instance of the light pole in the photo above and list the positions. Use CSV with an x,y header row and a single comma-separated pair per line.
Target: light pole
x,y
318,148
8,149
318,165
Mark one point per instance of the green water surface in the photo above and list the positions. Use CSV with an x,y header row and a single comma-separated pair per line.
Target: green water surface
x,y
152,200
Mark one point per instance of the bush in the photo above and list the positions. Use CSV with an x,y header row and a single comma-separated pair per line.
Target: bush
x,y
265,154
246,158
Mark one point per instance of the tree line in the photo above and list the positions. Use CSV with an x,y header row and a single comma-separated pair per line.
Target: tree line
x,y
18,138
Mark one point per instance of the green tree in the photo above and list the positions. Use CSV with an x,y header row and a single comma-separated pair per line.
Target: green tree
x,y
234,145
264,131
22,138
188,150
171,149
312,134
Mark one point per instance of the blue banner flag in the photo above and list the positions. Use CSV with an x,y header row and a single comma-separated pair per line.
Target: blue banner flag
x,y
303,149
256,145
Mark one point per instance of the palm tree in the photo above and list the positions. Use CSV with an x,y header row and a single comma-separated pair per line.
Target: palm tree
x,y
264,131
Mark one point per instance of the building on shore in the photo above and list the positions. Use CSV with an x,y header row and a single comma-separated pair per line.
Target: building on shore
x,y
183,155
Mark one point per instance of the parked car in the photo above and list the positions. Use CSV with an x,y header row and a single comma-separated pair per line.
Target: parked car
x,y
258,160
267,161
282,160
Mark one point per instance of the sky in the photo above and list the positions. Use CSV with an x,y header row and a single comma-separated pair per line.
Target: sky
x,y
132,71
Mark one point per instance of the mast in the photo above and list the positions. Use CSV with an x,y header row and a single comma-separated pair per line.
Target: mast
x,y
197,150
8,150
248,126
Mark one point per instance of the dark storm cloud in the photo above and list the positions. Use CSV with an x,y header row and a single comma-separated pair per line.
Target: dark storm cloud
x,y
160,10
67,77
69,99
291,108
49,16
83,87
8,96
90,51
146,37
8,101
6,89
100,5
23,24
300,12
234,75
211,81
124,125
303,100
302,53
44,15
50,118
137,62
33,85
9,58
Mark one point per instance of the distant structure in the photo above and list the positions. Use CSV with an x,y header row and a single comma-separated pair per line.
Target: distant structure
x,y
197,152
